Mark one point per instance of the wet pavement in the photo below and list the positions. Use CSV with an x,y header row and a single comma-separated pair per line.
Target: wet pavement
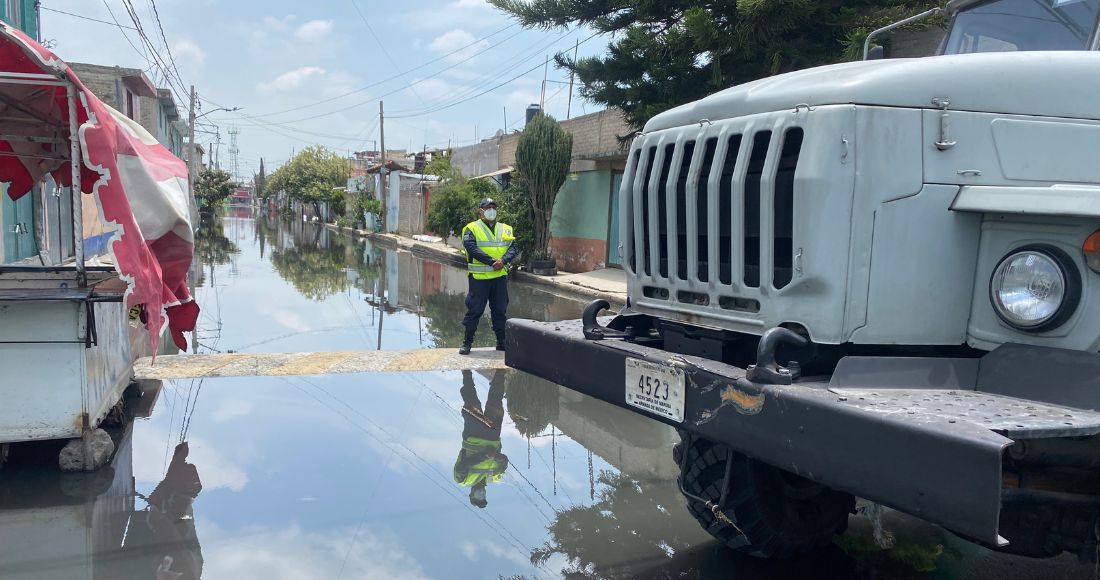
x,y
353,475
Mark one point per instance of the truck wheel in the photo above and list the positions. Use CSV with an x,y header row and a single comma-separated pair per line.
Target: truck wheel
x,y
772,513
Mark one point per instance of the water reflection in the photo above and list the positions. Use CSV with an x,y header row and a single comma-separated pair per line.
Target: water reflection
x,y
481,460
92,525
305,287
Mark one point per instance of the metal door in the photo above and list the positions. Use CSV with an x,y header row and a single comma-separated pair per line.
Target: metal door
x,y
613,257
18,223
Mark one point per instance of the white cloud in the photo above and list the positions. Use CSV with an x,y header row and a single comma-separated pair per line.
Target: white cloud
x,y
187,52
314,30
291,80
473,13
290,319
294,553
437,90
454,40
232,409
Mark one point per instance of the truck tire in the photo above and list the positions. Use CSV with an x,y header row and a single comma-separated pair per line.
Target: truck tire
x,y
773,513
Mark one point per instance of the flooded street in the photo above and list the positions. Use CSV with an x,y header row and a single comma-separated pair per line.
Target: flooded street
x,y
353,476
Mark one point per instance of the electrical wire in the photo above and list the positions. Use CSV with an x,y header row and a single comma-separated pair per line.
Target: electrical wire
x,y
398,75
467,99
381,46
88,18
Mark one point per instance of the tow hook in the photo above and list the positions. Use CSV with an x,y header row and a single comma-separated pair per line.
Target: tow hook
x,y
592,328
766,371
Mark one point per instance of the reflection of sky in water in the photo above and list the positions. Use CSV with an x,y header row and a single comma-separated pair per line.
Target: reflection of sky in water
x,y
352,465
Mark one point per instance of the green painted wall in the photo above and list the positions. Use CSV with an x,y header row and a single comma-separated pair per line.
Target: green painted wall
x,y
22,245
28,16
581,208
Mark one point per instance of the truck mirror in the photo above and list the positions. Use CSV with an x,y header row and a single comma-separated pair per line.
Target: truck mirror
x,y
876,53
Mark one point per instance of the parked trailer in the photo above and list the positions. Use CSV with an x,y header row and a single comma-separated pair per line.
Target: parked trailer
x,y
877,279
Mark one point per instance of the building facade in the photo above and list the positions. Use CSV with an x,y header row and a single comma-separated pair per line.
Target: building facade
x,y
585,225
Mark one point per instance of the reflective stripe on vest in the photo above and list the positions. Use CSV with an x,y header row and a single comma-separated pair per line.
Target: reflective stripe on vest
x,y
494,243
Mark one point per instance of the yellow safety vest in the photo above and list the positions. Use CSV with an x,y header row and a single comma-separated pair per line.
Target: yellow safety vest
x,y
488,470
493,242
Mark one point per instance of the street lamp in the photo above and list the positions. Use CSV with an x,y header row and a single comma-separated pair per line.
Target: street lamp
x,y
228,110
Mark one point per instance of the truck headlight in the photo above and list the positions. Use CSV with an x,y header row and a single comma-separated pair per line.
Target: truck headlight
x,y
1035,288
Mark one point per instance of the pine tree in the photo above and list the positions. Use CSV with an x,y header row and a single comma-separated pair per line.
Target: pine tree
x,y
259,179
668,52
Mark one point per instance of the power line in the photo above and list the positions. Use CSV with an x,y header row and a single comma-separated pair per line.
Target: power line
x,y
506,67
416,82
89,18
161,62
156,14
378,41
414,69
460,101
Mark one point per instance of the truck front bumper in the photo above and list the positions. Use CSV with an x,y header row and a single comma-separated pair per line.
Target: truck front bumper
x,y
926,436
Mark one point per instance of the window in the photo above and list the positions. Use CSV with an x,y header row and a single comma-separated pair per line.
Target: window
x,y
1011,25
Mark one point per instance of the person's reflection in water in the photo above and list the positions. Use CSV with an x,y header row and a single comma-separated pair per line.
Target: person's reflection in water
x,y
480,461
171,521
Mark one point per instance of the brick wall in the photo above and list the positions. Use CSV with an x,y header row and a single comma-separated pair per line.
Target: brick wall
x,y
101,80
594,135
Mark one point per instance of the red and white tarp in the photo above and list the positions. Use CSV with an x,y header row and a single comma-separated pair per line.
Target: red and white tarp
x,y
138,187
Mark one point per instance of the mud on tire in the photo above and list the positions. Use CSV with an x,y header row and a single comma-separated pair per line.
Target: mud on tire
x,y
779,513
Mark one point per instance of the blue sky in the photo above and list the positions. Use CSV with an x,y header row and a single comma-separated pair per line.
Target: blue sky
x,y
270,57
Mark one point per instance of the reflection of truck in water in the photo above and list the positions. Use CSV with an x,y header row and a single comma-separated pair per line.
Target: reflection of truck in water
x,y
876,279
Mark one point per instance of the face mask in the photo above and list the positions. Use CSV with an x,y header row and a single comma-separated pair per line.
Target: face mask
x,y
490,214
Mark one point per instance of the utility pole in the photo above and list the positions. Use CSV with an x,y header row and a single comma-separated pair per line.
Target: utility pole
x,y
505,120
382,173
572,73
218,150
542,95
191,147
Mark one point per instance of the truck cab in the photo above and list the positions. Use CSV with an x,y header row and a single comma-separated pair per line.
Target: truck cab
x,y
875,279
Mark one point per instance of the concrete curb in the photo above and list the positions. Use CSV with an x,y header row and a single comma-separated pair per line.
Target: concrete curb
x,y
451,256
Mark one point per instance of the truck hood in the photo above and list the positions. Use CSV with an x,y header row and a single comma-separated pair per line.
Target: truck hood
x,y
1054,84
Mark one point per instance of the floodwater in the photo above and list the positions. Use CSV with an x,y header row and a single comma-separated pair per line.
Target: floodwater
x,y
352,476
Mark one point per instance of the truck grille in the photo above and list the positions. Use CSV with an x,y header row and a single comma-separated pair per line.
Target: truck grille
x,y
696,231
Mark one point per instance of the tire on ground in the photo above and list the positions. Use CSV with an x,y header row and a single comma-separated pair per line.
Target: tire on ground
x,y
779,513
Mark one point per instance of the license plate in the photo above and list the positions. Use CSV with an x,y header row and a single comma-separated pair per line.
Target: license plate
x,y
656,388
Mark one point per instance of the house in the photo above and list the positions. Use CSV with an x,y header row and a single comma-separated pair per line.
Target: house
x,y
585,224
127,90
171,130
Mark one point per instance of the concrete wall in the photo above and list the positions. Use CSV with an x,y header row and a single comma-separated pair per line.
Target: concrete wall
x,y
414,211
103,81
477,159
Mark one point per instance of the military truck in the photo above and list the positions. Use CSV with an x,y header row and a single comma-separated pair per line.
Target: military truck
x,y
875,279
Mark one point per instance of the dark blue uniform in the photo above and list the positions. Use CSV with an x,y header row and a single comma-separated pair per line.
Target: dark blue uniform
x,y
493,293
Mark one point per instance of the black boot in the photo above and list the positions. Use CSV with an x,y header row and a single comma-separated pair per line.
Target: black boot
x,y
500,340
467,341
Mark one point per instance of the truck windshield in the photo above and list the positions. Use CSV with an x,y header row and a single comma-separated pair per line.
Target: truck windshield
x,y
1011,25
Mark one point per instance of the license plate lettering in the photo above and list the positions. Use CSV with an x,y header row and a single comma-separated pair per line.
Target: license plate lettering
x,y
656,388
